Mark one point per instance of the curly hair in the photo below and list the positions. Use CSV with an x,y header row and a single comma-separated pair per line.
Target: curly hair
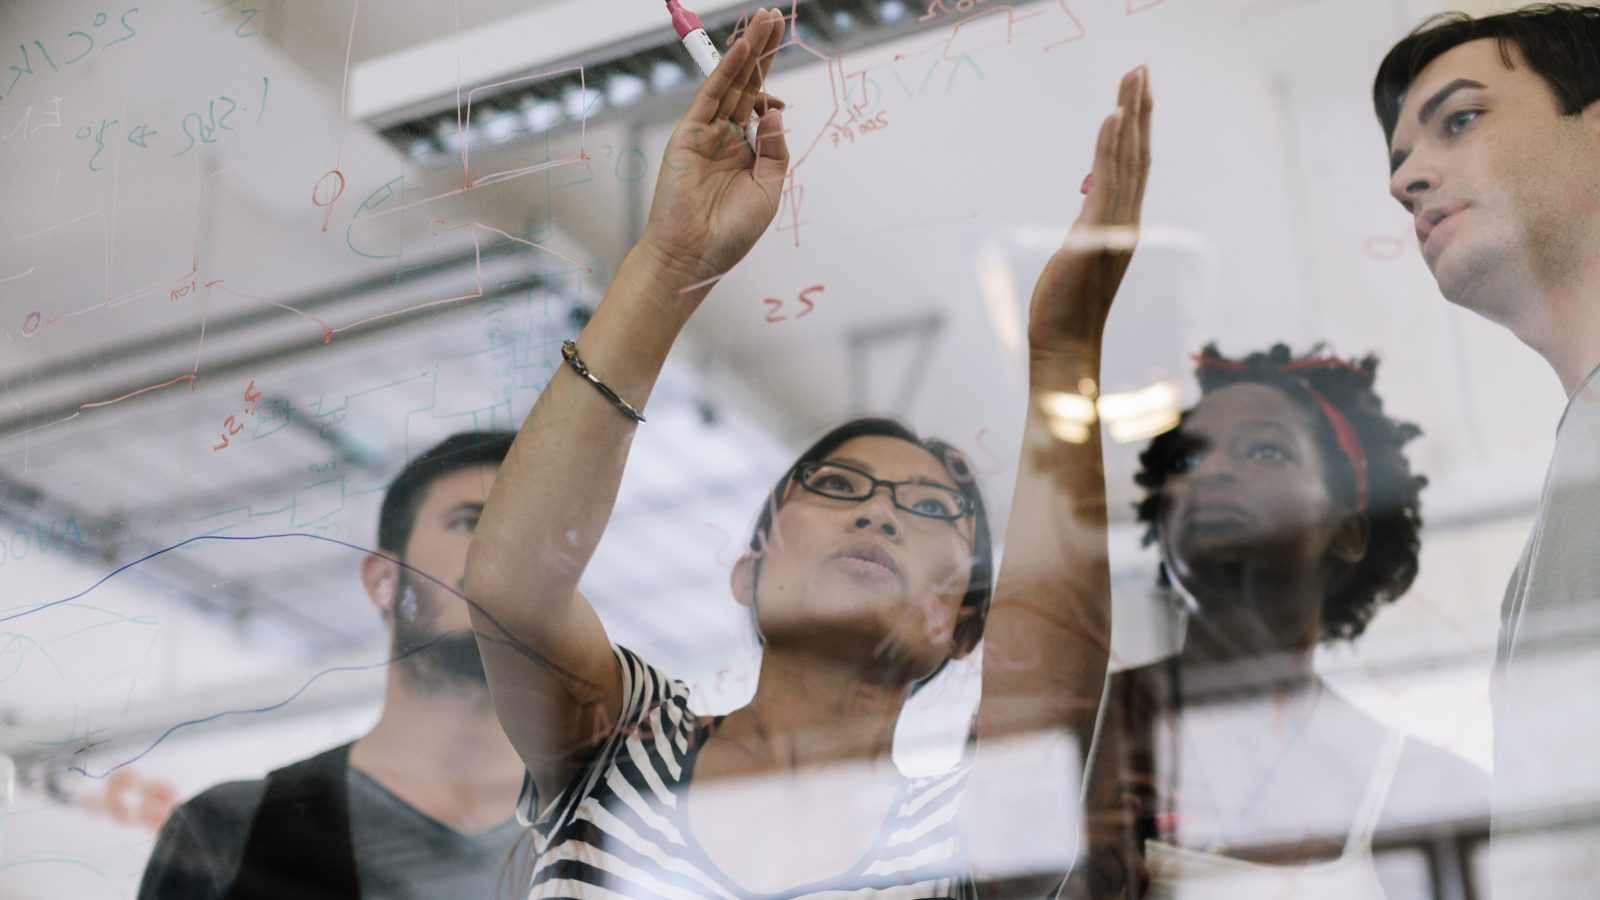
x,y
1394,505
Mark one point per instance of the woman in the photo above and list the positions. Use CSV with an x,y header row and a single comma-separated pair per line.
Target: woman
x,y
1286,514
869,571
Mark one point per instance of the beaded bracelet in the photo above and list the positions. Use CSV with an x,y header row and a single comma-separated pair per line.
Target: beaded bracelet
x,y
569,352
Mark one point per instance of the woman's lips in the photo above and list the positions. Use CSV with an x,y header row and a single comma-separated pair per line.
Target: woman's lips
x,y
1216,514
865,558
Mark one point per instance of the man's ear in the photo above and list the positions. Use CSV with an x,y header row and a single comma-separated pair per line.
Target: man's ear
x,y
1351,540
380,577
743,581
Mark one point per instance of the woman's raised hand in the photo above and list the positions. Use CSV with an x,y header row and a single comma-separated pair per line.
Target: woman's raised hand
x,y
1072,298
715,198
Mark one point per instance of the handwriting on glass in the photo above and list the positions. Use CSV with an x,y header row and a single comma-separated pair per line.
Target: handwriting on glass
x,y
231,425
1384,248
775,306
130,799
49,118
119,31
959,8
246,16
866,126
197,127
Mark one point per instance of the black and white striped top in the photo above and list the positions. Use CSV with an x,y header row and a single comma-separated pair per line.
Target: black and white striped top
x,y
619,829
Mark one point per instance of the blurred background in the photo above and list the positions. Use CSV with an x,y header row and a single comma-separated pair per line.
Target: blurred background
x,y
256,254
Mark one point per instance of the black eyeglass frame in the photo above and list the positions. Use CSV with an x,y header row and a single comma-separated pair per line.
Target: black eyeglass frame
x,y
964,504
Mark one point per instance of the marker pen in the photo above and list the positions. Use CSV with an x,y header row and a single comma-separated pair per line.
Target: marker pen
x,y
704,53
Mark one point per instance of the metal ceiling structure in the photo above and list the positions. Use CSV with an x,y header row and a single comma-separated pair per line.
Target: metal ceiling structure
x,y
641,79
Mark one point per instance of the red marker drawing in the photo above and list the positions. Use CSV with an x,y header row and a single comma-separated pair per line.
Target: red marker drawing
x,y
704,53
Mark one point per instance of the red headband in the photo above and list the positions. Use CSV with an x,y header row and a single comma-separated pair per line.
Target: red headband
x,y
1343,431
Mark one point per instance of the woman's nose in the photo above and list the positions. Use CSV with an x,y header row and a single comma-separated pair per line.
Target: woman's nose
x,y
878,510
1212,464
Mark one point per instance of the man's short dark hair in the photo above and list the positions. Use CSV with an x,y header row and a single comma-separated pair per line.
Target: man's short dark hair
x,y
406,492
1559,41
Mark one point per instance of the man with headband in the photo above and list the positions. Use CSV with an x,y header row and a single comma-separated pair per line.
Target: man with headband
x,y
422,805
1493,127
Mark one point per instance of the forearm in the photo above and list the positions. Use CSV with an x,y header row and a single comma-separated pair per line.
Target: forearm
x,y
1049,623
557,487
1044,656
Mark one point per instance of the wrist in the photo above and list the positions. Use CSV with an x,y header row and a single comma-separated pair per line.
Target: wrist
x,y
1067,366
1066,331
670,270
669,303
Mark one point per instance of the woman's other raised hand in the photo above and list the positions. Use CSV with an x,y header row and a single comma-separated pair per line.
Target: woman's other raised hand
x,y
1072,298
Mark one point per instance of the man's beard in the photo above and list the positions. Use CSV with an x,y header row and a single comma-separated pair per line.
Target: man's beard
x,y
428,659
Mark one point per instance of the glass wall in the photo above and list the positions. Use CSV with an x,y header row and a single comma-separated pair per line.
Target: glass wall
x,y
255,258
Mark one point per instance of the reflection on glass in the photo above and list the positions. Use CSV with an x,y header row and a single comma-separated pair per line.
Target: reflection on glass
x,y
1494,151
870,570
1286,515
256,257
420,805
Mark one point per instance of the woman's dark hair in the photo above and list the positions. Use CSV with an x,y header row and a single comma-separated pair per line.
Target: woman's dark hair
x,y
404,497
1393,507
980,584
1560,41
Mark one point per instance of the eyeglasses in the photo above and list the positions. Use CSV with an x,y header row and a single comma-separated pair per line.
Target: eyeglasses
x,y
842,482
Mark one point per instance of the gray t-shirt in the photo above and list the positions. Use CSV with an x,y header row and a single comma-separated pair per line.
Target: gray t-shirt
x,y
400,853
1546,841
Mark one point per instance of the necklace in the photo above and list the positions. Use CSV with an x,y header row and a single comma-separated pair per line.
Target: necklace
x,y
1225,825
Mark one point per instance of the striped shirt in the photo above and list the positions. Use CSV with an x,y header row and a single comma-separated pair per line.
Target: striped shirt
x,y
620,830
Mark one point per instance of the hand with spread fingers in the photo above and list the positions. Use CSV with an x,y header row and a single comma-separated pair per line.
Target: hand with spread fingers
x,y
716,197
1072,298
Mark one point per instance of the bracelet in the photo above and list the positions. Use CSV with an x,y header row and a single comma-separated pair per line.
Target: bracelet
x,y
569,352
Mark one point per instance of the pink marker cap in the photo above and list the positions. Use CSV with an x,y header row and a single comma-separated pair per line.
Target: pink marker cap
x,y
683,21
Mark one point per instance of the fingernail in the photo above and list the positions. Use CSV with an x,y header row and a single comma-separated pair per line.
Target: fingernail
x,y
1088,181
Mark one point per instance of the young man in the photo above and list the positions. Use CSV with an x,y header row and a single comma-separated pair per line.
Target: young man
x,y
419,807
1494,139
